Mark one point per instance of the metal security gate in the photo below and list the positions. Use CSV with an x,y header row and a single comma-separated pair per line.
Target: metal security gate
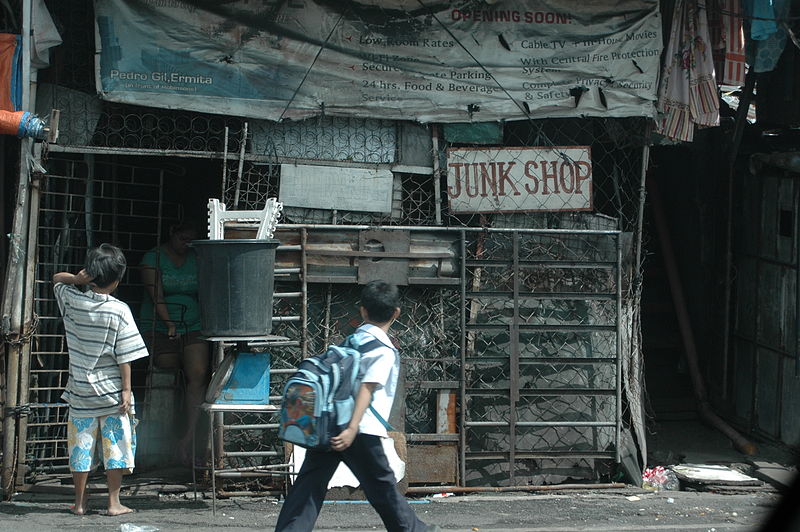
x,y
541,375
83,203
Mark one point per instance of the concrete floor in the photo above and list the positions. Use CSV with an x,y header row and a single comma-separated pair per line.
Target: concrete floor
x,y
691,441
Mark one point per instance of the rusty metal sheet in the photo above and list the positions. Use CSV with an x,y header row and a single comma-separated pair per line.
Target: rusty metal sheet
x,y
432,464
394,269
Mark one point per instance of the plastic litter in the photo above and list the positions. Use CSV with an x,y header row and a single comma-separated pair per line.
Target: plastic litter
x,y
130,527
659,478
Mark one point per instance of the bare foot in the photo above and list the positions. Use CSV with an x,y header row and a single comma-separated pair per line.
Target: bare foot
x,y
81,509
119,510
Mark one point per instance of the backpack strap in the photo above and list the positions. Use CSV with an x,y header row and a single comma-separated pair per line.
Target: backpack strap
x,y
366,347
380,418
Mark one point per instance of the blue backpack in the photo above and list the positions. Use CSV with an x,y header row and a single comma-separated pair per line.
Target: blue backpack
x,y
318,399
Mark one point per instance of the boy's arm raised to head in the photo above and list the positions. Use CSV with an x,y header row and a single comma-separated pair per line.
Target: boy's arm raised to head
x,y
363,399
79,278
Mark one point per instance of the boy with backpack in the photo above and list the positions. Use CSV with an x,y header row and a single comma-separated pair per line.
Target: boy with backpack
x,y
359,444
102,341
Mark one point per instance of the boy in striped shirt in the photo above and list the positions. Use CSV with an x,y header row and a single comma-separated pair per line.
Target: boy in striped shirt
x,y
102,340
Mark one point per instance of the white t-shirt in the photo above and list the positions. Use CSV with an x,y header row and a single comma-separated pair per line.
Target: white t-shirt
x,y
382,367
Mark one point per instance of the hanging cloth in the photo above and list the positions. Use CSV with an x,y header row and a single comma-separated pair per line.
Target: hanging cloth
x,y
688,89
727,37
765,28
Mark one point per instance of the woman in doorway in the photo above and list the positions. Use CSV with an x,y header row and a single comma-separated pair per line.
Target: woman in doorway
x,y
170,317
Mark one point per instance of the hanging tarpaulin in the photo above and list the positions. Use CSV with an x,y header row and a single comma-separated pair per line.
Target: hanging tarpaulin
x,y
423,60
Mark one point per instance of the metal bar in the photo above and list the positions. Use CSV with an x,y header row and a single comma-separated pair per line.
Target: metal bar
x,y
420,437
541,454
568,361
435,385
250,453
288,295
544,392
463,366
263,426
432,229
618,433
224,165
500,489
548,328
556,296
213,465
542,423
381,254
285,318
566,264
304,291
254,468
640,213
437,175
514,360
241,167
283,271
251,474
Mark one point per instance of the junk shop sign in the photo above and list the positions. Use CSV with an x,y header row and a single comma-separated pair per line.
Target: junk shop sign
x,y
557,178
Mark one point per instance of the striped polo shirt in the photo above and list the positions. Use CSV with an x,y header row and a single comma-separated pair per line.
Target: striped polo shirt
x,y
101,334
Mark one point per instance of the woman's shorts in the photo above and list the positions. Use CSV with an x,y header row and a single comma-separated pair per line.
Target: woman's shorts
x,y
116,435
159,343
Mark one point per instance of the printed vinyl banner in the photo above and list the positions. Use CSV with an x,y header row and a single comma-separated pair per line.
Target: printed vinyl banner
x,y
425,60
519,179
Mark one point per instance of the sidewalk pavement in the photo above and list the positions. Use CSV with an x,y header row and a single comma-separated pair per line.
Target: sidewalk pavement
x,y
629,509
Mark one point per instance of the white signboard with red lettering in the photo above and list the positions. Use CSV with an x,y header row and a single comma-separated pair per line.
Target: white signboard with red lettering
x,y
557,178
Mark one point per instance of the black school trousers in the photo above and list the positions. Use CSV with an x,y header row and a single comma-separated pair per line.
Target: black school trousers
x,y
367,461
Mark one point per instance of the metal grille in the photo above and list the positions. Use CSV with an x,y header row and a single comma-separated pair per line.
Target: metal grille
x,y
121,205
540,337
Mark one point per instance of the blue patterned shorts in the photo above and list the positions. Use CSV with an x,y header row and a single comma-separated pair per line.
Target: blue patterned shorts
x,y
117,437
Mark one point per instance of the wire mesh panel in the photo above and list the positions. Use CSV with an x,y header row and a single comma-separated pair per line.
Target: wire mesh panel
x,y
83,204
541,374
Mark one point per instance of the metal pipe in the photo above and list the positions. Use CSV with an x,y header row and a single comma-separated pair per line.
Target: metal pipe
x,y
433,229
420,490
